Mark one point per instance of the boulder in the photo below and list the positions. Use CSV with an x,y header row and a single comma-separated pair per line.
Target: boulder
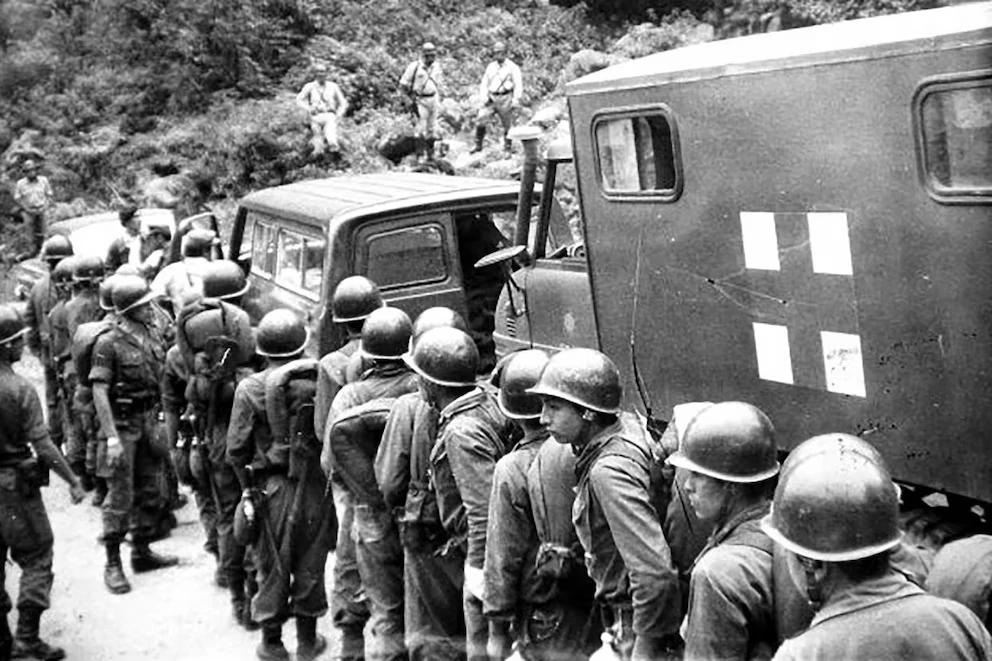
x,y
587,61
549,115
648,38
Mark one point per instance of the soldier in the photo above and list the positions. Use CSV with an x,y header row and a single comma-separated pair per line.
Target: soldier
x,y
359,413
126,375
533,591
326,105
472,436
422,82
40,302
33,193
59,345
125,249
201,372
729,451
433,617
24,527
354,299
297,529
626,551
836,512
500,90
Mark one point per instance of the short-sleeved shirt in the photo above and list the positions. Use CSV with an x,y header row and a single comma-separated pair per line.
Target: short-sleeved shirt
x,y
131,361
21,420
34,195
421,79
317,98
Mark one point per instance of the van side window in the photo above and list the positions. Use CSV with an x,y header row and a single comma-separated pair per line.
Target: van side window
x,y
300,262
955,134
408,256
638,155
263,253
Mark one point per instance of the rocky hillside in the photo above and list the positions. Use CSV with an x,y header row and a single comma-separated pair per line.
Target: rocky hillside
x,y
159,101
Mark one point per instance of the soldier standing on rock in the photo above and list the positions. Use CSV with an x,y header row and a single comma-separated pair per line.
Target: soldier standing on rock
x,y
422,83
326,105
24,527
34,194
501,88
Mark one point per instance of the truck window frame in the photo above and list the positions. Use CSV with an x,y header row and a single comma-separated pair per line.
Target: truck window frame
x,y
368,234
305,237
928,87
666,195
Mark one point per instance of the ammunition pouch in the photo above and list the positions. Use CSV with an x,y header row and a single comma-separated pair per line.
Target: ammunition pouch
x,y
419,520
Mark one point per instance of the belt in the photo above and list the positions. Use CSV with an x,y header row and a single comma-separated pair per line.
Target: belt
x,y
502,93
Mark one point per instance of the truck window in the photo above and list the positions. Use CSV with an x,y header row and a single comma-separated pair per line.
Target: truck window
x,y
300,262
408,256
955,122
638,155
263,252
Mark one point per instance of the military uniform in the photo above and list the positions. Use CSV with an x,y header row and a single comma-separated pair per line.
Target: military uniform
x,y
472,436
433,615
82,404
40,302
731,593
535,579
130,359
889,618
83,307
626,552
289,583
378,552
24,527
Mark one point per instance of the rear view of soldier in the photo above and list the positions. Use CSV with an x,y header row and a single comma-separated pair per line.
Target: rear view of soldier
x,y
271,435
25,532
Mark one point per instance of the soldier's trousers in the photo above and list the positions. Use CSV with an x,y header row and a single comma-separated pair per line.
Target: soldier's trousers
x,y
349,609
434,619
290,558
380,565
53,395
27,534
73,429
134,492
227,493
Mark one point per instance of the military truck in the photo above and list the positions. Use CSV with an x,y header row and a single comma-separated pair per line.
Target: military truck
x,y
416,235
801,220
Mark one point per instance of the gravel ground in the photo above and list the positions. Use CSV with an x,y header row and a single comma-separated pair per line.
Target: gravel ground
x,y
175,614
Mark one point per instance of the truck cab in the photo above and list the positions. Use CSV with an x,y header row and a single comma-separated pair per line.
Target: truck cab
x,y
418,236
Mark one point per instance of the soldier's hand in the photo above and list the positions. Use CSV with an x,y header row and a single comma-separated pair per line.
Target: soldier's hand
x,y
77,493
115,452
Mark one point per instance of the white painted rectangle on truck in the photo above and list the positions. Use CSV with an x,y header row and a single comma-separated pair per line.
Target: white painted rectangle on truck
x,y
843,363
760,240
830,243
771,343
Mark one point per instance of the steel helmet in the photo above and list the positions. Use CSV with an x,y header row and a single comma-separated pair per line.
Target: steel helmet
x,y
198,241
224,279
354,299
445,356
281,334
127,269
520,372
62,273
200,327
386,334
729,441
56,247
584,377
12,326
834,502
130,292
107,293
437,317
88,268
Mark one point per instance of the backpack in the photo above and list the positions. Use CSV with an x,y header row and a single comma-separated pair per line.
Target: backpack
x,y
358,431
289,404
82,347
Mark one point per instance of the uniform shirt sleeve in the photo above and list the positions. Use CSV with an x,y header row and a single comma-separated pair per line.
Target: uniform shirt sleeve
x,y
174,379
102,369
33,427
729,597
518,84
392,461
486,79
340,103
510,537
303,98
329,376
240,449
343,401
621,486
472,455
407,80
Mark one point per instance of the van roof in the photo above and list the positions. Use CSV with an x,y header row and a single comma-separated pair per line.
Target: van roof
x,y
837,42
323,200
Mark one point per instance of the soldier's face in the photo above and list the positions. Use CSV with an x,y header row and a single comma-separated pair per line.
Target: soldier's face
x,y
143,314
707,496
564,421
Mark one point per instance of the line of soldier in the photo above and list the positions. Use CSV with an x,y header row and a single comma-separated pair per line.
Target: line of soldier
x,y
461,532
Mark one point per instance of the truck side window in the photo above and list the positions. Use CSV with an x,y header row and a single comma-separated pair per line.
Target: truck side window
x,y
263,248
955,133
408,256
300,262
638,154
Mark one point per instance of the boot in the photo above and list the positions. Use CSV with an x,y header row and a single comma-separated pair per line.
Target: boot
x,y
99,492
309,644
144,559
251,589
480,136
27,643
271,647
113,573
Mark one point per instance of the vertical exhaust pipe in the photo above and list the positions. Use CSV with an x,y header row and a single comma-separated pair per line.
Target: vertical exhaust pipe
x,y
528,135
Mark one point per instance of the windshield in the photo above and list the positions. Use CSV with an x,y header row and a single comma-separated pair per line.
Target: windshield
x,y
95,239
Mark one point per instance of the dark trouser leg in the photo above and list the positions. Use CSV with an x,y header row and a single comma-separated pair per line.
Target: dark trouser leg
x,y
349,610
434,619
271,603
52,397
120,487
206,505
380,564
149,495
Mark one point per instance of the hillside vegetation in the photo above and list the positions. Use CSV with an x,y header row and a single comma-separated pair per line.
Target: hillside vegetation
x,y
115,94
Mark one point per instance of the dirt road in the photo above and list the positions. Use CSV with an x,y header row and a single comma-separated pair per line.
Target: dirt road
x,y
176,614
